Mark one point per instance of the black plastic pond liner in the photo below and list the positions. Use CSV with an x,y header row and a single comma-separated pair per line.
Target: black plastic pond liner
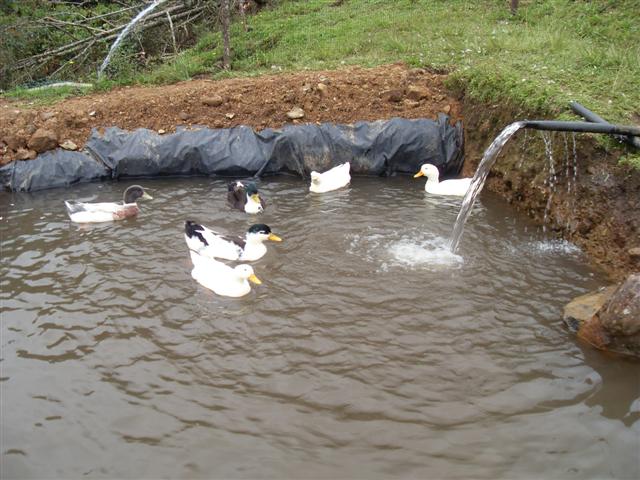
x,y
56,168
373,148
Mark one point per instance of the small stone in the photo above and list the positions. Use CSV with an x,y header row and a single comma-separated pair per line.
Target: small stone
x,y
323,89
295,113
634,253
184,116
410,103
230,115
43,140
446,109
162,131
306,88
395,95
68,145
14,142
213,101
30,129
47,115
92,113
24,154
416,92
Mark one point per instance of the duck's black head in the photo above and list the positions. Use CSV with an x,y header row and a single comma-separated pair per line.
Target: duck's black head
x,y
259,228
193,229
251,189
134,192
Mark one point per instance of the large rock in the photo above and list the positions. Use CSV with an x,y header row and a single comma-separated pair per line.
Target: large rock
x,y
43,140
621,315
610,318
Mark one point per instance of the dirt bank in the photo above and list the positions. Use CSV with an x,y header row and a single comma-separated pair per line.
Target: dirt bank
x,y
597,207
580,192
341,96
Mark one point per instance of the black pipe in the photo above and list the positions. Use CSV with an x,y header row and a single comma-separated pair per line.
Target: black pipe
x,y
582,127
594,117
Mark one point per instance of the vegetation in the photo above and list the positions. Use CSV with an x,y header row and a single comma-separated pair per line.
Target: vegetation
x,y
550,52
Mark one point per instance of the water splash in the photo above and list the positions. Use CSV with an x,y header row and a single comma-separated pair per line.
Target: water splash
x,y
432,253
125,32
488,159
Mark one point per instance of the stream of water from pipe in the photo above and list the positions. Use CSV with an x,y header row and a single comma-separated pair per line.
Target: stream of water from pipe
x,y
488,159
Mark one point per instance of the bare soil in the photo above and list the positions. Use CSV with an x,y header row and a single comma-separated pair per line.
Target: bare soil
x,y
599,209
339,96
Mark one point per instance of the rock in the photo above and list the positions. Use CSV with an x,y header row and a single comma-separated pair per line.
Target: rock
x,y
446,109
43,140
213,101
610,318
92,113
30,129
634,253
395,95
15,141
47,115
621,315
323,89
295,113
583,308
184,116
416,92
162,131
24,154
230,115
410,103
68,145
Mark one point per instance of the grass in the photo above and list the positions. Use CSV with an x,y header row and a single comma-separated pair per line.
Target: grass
x,y
552,52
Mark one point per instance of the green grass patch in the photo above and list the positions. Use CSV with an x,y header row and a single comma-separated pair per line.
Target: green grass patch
x,y
551,52
45,96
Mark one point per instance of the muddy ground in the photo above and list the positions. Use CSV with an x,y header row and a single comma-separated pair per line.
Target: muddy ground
x,y
342,96
597,207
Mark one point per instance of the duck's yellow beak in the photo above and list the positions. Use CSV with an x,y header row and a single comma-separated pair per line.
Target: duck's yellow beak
x,y
274,238
255,279
146,196
255,197
419,174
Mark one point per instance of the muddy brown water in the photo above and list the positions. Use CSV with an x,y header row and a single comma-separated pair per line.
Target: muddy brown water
x,y
368,352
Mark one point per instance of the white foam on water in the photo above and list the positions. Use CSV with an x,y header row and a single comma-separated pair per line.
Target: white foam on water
x,y
548,247
432,253
409,251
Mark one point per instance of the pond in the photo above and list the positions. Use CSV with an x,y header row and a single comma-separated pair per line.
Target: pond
x,y
368,351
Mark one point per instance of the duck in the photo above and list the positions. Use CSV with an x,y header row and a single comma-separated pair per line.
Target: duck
x,y
245,197
223,279
80,212
332,179
457,187
211,244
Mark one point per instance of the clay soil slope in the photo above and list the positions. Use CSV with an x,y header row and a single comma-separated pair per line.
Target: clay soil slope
x,y
339,96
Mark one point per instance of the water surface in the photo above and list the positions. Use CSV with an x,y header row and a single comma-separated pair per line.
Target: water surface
x,y
369,351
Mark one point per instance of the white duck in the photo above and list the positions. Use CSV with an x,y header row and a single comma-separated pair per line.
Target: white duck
x,y
332,179
457,187
211,244
80,212
222,279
